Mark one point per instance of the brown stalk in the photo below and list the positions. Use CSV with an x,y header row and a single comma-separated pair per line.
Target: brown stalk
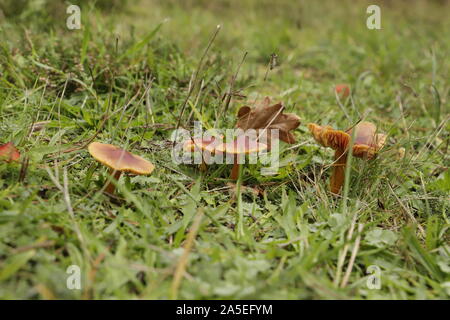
x,y
203,166
338,176
235,170
110,188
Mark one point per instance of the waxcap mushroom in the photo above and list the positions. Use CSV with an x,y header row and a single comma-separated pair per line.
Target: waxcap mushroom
x,y
202,144
366,145
119,160
328,137
205,143
342,90
366,142
240,146
9,153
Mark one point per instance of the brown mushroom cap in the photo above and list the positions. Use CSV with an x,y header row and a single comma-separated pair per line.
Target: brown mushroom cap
x,y
328,137
208,144
9,153
366,142
119,159
241,145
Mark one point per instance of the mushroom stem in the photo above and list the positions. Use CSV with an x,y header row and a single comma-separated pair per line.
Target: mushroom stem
x,y
235,170
110,188
203,166
338,176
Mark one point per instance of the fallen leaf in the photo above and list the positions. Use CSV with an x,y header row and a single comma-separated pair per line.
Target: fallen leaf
x,y
265,117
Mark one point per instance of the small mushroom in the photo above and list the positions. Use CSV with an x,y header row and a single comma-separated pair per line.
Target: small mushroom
x,y
9,153
202,144
366,145
342,90
118,161
239,147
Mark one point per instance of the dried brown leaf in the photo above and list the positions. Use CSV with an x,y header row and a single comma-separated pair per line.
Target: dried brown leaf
x,y
265,118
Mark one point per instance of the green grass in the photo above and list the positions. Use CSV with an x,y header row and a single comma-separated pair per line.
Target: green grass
x,y
285,242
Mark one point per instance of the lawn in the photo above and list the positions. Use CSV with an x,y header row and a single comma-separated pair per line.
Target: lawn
x,y
137,70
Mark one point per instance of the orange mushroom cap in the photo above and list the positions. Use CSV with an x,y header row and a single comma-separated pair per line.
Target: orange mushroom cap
x,y
119,159
9,153
366,141
342,89
195,144
329,137
241,145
